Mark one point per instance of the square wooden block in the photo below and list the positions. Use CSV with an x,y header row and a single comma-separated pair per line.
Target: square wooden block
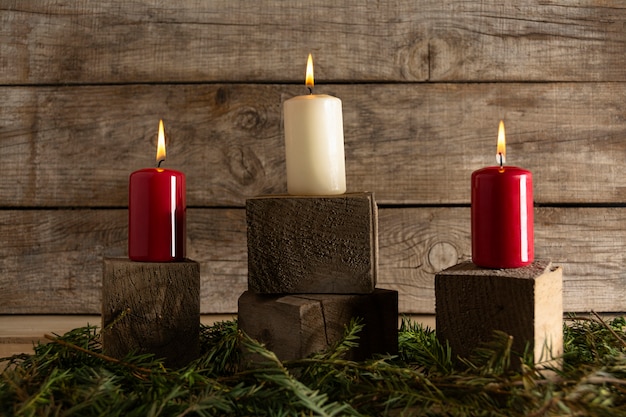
x,y
326,244
526,303
151,307
295,326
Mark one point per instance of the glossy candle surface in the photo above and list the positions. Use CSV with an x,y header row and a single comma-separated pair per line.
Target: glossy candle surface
x,y
502,217
156,215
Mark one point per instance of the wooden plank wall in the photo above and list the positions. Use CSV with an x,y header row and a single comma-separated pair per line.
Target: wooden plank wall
x,y
423,83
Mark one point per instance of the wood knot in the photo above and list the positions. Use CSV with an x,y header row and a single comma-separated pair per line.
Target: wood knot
x,y
221,96
250,119
442,255
244,165
413,60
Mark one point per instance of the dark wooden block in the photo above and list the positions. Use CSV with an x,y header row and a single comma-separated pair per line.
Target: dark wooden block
x,y
315,244
526,303
151,307
294,326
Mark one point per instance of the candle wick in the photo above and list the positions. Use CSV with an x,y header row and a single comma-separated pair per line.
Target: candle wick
x,y
310,90
159,164
500,155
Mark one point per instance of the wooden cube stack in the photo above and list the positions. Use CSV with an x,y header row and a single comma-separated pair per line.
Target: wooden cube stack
x,y
312,266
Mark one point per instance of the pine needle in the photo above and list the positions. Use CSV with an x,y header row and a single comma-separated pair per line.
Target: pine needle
x,y
96,354
237,376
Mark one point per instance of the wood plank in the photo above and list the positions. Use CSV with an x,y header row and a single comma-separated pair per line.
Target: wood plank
x,y
147,41
410,144
402,40
19,333
588,243
51,260
528,40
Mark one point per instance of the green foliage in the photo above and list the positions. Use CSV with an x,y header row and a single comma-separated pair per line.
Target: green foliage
x,y
236,376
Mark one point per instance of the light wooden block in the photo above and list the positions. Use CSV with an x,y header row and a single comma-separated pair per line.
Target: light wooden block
x,y
326,244
151,307
526,303
294,326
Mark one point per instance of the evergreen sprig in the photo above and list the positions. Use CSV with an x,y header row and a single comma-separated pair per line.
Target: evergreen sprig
x,y
237,376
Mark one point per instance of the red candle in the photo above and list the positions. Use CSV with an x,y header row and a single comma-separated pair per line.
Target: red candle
x,y
156,212
502,214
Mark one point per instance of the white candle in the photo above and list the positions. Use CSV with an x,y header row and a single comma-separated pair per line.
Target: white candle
x,y
314,143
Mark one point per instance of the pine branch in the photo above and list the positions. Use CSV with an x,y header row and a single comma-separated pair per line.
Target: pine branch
x,y
421,380
106,358
609,328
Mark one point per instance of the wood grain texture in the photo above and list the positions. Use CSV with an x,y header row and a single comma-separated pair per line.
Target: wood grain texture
x,y
423,85
402,40
51,260
525,303
410,144
416,243
529,40
151,307
296,325
20,333
312,244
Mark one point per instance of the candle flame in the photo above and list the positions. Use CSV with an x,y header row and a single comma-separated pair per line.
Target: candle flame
x,y
160,155
309,72
501,149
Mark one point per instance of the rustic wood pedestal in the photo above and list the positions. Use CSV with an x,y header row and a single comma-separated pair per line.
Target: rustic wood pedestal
x,y
312,266
151,307
301,244
294,326
526,303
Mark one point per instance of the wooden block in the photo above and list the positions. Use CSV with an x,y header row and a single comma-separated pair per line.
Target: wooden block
x,y
526,303
151,307
313,244
294,326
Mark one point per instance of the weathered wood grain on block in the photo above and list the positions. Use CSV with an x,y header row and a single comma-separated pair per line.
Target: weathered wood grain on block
x,y
526,303
151,307
294,326
319,244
